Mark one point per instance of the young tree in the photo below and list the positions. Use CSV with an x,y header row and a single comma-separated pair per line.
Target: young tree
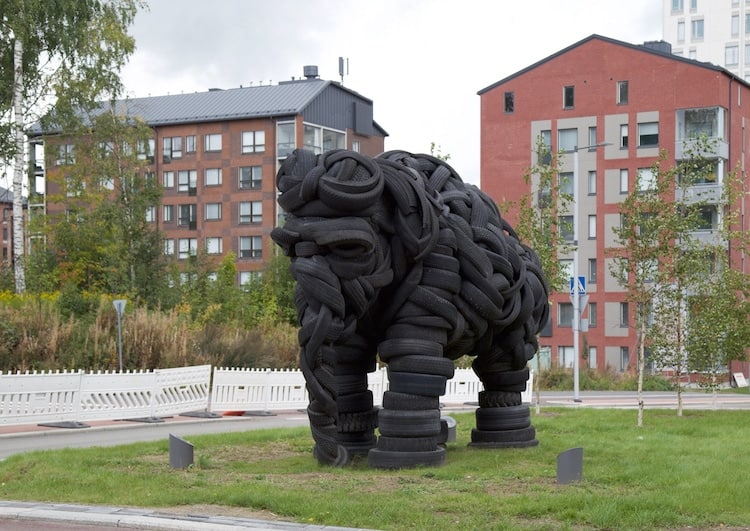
x,y
106,239
659,260
57,59
541,221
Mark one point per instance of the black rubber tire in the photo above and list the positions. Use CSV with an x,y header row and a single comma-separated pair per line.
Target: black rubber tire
x,y
424,365
407,444
503,418
409,402
409,423
391,348
499,399
415,383
395,460
505,437
354,402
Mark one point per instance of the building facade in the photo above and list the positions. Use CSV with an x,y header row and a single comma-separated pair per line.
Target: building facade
x,y
717,31
216,155
612,107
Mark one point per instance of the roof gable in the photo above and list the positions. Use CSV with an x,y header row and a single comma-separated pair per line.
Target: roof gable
x,y
635,47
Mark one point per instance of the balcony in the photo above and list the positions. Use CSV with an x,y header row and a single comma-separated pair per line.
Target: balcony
x,y
710,238
692,147
704,193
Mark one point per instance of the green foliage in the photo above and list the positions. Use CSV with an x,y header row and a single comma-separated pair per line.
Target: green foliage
x,y
559,379
541,215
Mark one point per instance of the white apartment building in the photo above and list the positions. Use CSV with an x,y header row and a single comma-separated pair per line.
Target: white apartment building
x,y
715,31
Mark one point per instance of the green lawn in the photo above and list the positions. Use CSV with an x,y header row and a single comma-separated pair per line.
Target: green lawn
x,y
688,472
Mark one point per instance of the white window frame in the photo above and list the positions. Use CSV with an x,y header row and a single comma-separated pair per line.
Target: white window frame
x,y
592,226
214,245
255,182
212,142
253,141
167,179
250,212
169,247
167,213
213,211
187,247
250,247
212,176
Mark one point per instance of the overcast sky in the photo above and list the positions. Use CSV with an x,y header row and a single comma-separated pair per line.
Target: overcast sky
x,y
420,61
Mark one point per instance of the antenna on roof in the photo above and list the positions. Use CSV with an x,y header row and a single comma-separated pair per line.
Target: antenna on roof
x,y
341,68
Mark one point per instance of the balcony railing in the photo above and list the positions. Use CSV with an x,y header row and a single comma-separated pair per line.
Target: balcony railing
x,y
708,193
718,148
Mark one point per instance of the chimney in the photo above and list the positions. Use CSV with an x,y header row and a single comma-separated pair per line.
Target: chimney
x,y
658,46
310,71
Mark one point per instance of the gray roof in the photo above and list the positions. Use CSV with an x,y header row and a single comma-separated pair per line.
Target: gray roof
x,y
231,104
288,98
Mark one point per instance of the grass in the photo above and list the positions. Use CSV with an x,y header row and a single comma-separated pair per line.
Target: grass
x,y
674,473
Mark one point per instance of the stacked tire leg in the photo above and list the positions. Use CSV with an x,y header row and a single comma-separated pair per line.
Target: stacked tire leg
x,y
502,421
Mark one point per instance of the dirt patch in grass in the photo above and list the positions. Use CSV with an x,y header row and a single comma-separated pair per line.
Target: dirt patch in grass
x,y
222,510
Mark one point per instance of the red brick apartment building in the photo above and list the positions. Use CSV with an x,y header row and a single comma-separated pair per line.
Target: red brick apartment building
x,y
639,99
216,154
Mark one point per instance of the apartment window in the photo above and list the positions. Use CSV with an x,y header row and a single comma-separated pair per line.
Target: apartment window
x,y
250,247
285,142
251,177
646,180
171,148
677,5
592,357
169,246
592,138
212,142
187,181
567,139
592,226
624,181
355,146
747,24
253,141
592,271
623,136
747,56
213,176
624,315
564,315
509,102
108,183
145,149
187,216
168,179
187,247
566,268
320,139
681,31
624,359
213,211
65,154
565,357
648,134
167,213
568,97
592,182
251,212
565,182
151,214
622,92
544,157
566,228
735,25
732,55
592,314
696,29
190,144
213,245
708,218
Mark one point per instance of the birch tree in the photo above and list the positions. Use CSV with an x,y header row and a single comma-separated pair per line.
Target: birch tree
x,y
57,58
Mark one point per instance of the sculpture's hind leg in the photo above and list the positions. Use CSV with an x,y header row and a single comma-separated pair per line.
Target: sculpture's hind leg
x,y
502,420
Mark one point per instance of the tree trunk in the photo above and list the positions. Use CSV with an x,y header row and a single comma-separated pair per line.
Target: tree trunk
x,y
19,240
641,363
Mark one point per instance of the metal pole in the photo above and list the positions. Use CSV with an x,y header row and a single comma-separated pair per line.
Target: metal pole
x,y
576,292
119,340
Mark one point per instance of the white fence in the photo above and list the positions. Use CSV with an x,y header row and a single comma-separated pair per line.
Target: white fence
x,y
76,397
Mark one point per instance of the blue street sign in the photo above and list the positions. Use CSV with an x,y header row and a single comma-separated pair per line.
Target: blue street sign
x,y
579,286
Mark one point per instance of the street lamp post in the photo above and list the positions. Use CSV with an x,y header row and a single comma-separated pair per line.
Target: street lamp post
x,y
575,285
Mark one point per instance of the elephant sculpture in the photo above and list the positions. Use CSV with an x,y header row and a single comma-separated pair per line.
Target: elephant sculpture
x,y
397,259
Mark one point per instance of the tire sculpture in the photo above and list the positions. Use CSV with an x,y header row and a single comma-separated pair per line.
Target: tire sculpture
x,y
395,256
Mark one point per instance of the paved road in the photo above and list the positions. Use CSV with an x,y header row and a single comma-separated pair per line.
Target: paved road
x,y
19,516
